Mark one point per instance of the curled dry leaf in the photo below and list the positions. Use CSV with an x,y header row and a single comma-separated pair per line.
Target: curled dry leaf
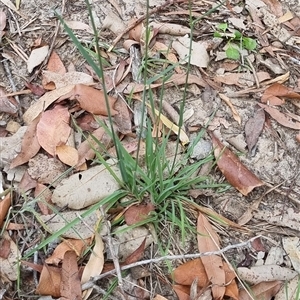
x,y
53,128
234,171
50,281
280,117
7,104
208,240
36,57
44,102
272,93
91,100
95,264
78,246
235,114
70,287
263,290
4,207
30,145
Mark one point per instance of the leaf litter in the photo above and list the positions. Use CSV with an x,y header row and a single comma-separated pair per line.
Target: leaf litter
x,y
76,93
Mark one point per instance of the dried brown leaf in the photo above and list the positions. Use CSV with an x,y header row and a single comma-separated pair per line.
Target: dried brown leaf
x,y
4,248
53,128
182,291
232,289
70,282
208,240
27,183
91,100
136,255
55,64
280,117
95,264
186,273
35,89
234,171
67,154
138,212
253,128
7,104
263,290
235,114
4,207
78,246
44,102
30,145
43,195
272,93
123,118
50,281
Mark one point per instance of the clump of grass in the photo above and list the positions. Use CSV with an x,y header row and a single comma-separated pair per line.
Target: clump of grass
x,y
163,182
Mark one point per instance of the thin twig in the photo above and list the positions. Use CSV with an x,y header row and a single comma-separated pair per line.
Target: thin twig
x,y
90,283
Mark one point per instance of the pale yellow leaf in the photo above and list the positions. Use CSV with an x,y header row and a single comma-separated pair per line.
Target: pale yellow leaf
x,y
94,266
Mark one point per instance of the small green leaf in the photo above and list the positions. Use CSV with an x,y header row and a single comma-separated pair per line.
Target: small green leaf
x,y
222,26
237,35
218,34
232,53
249,44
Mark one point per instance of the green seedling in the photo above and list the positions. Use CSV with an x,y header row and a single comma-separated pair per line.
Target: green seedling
x,y
236,41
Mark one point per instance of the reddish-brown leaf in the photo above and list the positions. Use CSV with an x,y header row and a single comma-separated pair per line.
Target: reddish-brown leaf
x,y
234,171
68,244
253,128
53,128
208,240
280,117
4,248
70,282
91,100
263,290
186,273
272,93
4,207
135,255
30,145
182,291
35,89
138,212
55,64
50,281
232,289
